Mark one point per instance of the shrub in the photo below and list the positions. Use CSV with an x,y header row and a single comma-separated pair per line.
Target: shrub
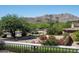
x,y
50,41
61,42
66,40
56,28
43,37
65,34
75,36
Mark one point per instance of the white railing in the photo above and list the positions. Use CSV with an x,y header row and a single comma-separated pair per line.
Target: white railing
x,y
29,47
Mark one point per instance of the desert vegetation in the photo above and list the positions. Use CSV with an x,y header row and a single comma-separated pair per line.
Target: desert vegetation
x,y
13,23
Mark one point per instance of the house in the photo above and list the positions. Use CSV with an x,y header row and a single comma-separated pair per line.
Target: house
x,y
74,27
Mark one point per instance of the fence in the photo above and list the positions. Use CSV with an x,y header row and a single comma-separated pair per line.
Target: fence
x,y
38,48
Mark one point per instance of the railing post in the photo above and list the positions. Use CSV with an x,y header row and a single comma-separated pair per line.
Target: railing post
x,y
18,47
34,49
77,51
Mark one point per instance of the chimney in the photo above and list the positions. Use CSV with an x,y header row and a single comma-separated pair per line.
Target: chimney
x,y
72,25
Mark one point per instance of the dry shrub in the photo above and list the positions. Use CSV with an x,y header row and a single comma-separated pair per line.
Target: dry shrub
x,y
43,37
61,41
68,41
51,40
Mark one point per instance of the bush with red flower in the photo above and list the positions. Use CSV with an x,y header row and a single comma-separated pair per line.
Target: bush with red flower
x,y
51,40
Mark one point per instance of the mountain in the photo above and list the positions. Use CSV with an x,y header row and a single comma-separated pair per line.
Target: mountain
x,y
53,17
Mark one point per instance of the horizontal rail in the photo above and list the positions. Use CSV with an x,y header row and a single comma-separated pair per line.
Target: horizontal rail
x,y
11,42
38,48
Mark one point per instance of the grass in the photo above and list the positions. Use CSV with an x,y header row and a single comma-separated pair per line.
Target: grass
x,y
25,49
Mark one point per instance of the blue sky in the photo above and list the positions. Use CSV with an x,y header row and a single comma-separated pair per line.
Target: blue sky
x,y
38,10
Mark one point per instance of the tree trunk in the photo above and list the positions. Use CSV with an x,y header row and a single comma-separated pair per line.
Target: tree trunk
x,y
12,33
23,33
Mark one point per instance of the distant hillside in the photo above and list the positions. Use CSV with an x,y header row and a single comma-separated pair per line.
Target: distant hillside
x,y
53,17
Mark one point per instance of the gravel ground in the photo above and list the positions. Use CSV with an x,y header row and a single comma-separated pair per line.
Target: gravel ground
x,y
5,51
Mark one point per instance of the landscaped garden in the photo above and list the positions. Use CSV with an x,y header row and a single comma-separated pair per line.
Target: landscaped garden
x,y
11,25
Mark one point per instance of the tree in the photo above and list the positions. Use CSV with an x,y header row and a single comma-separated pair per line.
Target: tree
x,y
42,25
25,27
12,23
57,28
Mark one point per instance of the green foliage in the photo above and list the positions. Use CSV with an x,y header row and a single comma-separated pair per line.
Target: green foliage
x,y
65,34
1,32
33,26
75,36
39,26
12,23
51,41
56,28
24,25
43,25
